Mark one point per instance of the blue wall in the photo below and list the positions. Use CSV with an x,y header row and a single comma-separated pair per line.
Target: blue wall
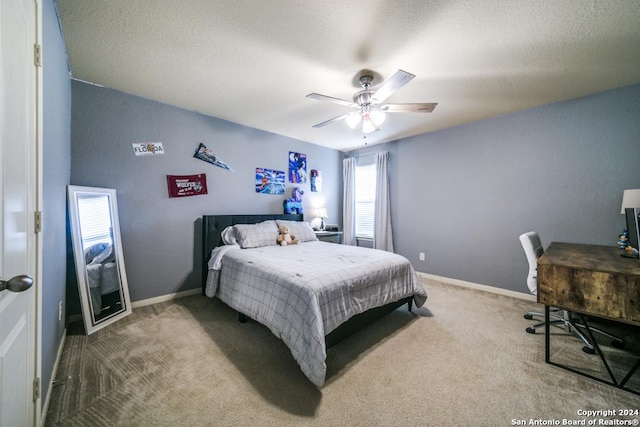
x,y
464,195
461,195
161,235
56,172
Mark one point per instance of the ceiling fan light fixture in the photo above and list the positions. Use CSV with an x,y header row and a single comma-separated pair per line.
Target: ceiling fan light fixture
x,y
353,119
367,124
377,117
371,104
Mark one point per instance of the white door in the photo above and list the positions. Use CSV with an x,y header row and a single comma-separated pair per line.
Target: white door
x,y
18,187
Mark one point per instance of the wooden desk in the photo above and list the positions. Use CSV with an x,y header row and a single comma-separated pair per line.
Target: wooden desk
x,y
589,279
593,281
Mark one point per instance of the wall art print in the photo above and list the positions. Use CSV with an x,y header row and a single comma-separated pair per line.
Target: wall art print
x,y
187,185
316,180
297,167
147,148
269,181
207,155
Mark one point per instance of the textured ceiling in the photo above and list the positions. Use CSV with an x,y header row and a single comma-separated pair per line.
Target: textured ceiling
x,y
253,61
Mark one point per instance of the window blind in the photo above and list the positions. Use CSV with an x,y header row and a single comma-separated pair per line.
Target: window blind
x,y
365,200
95,218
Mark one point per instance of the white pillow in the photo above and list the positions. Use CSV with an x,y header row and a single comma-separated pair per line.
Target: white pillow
x,y
301,230
105,256
256,235
229,236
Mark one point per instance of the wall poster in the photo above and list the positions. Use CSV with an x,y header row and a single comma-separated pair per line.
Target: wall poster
x,y
297,167
269,181
187,185
316,180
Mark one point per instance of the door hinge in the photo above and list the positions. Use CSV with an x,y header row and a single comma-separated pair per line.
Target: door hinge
x,y
36,389
37,55
38,221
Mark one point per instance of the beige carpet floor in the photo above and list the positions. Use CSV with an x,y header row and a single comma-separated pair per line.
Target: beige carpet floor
x,y
464,359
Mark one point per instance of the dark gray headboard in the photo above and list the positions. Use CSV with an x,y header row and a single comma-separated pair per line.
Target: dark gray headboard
x,y
212,226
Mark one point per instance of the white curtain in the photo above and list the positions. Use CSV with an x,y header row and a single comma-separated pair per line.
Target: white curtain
x,y
382,234
349,201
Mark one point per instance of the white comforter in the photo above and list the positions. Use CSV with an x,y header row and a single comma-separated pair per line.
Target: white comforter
x,y
303,292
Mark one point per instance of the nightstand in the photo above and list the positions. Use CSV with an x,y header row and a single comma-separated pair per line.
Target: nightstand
x,y
329,236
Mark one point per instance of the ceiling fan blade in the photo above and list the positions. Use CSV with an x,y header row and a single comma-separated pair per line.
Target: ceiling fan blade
x,y
408,108
332,99
335,119
388,88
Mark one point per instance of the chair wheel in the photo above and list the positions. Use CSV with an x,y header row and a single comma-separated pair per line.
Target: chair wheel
x,y
531,330
617,343
589,350
528,317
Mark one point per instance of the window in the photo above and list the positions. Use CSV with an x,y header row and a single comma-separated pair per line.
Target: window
x,y
95,214
365,200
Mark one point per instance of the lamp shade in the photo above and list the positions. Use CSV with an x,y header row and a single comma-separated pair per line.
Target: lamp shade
x,y
353,119
322,213
367,125
377,117
630,199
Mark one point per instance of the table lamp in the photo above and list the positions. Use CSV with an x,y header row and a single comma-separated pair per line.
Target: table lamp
x,y
322,214
630,199
631,207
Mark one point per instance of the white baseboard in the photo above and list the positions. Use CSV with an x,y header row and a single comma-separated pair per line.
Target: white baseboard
x,y
54,372
485,288
165,298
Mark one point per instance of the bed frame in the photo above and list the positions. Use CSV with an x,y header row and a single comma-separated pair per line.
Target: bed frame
x,y
212,226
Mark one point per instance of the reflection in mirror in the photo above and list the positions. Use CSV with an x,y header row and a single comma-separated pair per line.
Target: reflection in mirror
x,y
97,249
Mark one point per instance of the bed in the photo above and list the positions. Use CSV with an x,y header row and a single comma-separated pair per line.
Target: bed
x,y
102,273
312,294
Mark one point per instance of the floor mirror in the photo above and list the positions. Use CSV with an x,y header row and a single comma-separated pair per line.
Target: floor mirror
x,y
97,253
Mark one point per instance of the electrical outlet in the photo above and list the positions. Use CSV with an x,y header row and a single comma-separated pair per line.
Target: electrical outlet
x,y
60,311
421,256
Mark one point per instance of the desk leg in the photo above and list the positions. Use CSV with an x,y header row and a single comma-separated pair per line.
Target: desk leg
x,y
597,347
547,332
613,382
630,374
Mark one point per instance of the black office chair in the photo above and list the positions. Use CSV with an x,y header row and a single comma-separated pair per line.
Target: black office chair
x,y
533,249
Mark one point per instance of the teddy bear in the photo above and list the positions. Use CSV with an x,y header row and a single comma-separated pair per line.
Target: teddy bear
x,y
284,238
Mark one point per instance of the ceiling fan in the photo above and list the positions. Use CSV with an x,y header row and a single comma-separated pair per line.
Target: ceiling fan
x,y
369,104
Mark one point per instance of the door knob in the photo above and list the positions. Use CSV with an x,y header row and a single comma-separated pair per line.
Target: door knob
x,y
17,283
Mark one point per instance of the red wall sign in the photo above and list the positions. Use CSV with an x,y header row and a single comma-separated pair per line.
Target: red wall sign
x,y
187,185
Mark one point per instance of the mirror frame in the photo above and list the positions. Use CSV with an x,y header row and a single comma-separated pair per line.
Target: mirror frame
x,y
91,325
